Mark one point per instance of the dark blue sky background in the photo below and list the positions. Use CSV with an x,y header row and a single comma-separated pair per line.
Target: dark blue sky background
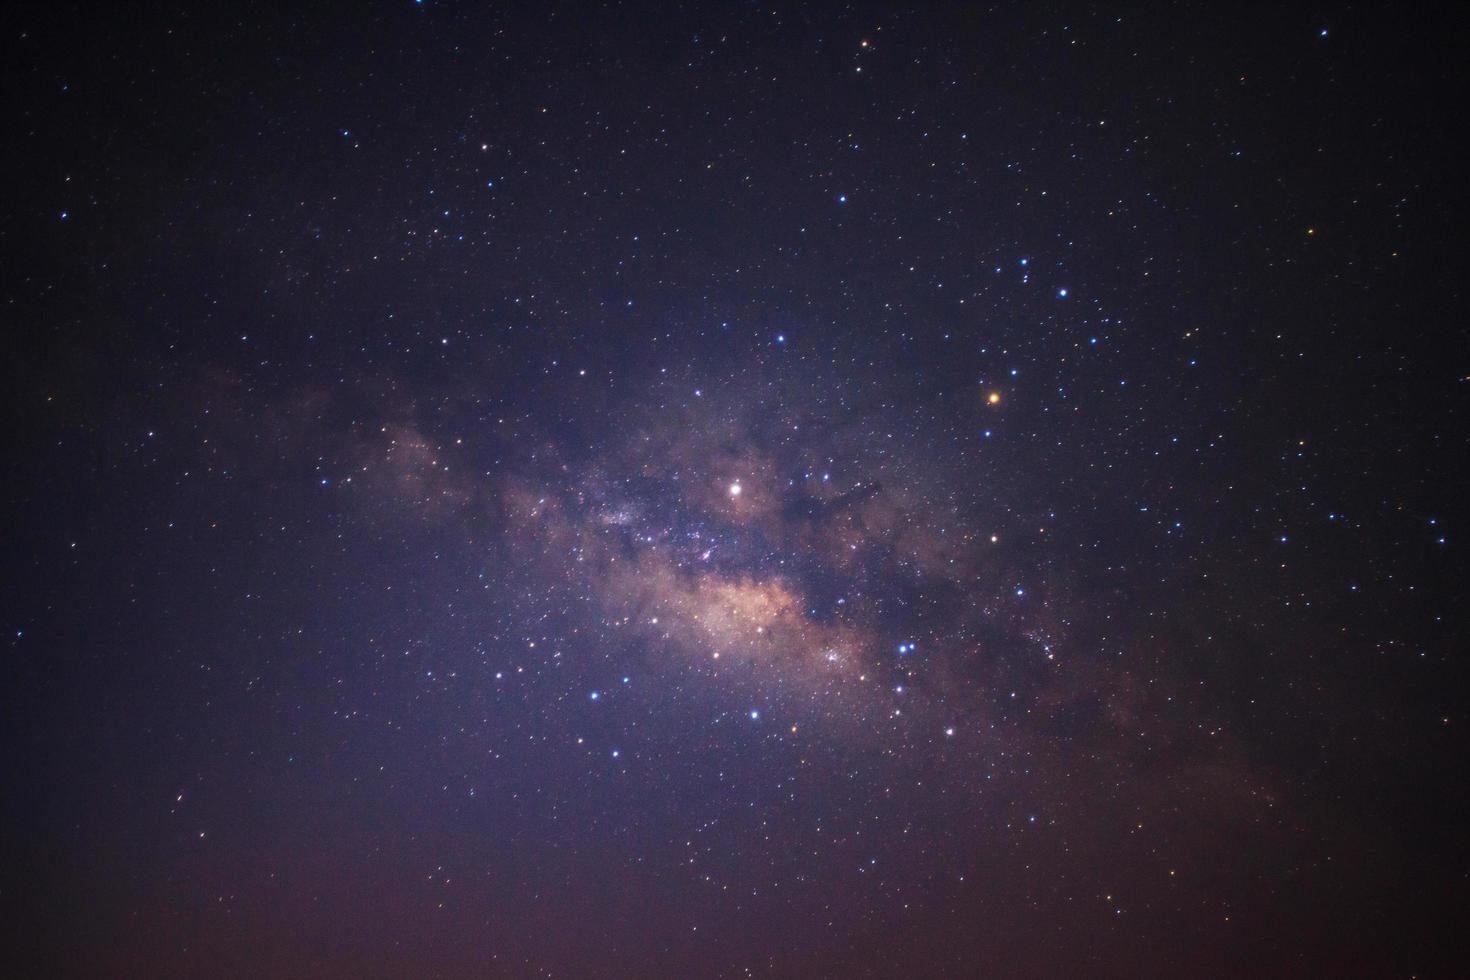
x,y
730,490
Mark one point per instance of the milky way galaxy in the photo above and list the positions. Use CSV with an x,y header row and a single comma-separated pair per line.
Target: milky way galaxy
x,y
733,491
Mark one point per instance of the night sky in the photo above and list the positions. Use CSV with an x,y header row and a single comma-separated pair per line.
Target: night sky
x,y
734,490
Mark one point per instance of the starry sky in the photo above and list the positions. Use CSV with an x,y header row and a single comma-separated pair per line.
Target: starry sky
x,y
733,490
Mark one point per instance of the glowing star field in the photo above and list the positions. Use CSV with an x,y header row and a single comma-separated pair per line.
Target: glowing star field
x,y
727,491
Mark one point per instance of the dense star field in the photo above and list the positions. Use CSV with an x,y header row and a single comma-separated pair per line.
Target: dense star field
x,y
733,490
